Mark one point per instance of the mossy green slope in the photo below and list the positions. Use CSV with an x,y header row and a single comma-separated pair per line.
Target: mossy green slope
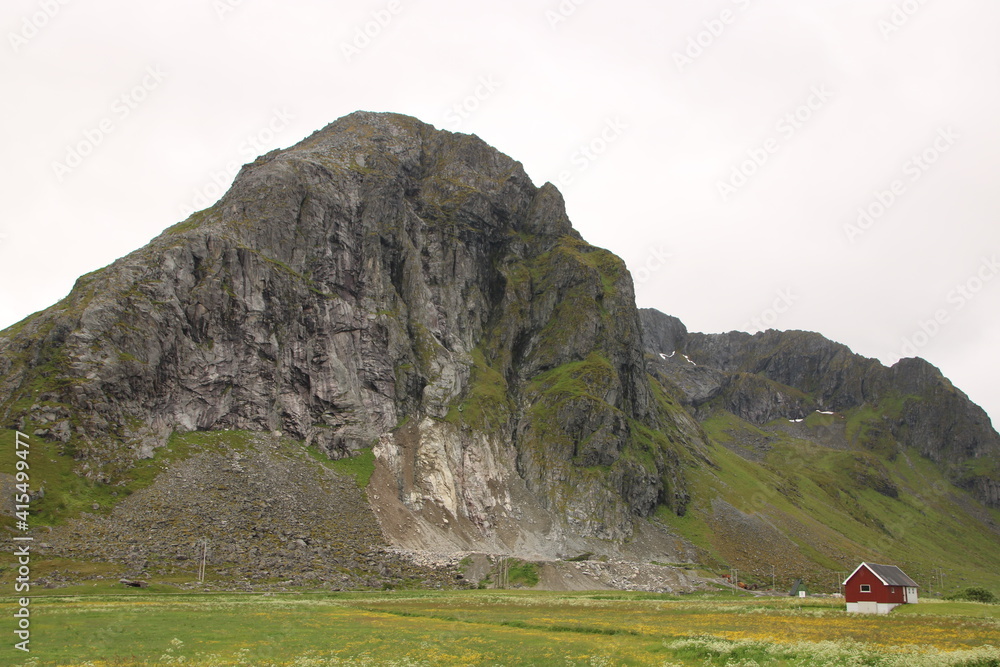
x,y
815,512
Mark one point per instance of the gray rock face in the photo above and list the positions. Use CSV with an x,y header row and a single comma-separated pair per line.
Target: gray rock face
x,y
776,374
759,400
379,271
663,333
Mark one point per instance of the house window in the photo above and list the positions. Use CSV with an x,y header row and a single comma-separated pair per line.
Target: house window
x,y
865,588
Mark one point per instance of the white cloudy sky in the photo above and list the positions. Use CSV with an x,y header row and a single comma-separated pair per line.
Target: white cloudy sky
x,y
839,104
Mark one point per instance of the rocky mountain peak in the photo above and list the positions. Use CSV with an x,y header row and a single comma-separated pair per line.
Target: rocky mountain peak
x,y
380,284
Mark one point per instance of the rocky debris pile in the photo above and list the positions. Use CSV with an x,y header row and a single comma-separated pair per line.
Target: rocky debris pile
x,y
616,574
428,558
269,514
479,568
631,576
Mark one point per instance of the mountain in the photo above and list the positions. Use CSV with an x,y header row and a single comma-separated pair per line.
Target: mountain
x,y
402,305
777,374
824,458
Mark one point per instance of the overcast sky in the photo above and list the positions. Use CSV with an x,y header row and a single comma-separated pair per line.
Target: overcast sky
x,y
788,164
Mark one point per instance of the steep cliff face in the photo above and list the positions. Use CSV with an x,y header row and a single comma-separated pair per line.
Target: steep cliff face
x,y
380,283
790,374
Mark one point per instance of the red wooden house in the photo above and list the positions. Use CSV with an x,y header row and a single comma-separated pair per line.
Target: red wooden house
x,y
877,589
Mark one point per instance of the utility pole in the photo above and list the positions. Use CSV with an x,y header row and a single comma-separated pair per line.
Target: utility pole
x,y
503,567
936,579
204,557
772,577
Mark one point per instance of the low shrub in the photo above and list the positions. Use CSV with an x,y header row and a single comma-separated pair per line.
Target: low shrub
x,y
974,594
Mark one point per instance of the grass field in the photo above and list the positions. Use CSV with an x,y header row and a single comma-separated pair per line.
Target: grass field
x,y
494,628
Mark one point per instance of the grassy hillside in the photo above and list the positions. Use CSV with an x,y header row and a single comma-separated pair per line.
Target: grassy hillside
x,y
778,498
780,502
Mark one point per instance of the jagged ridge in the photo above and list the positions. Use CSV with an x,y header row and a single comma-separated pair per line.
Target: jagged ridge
x,y
789,374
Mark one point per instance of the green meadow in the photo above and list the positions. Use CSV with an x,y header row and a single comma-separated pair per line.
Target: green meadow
x,y
493,628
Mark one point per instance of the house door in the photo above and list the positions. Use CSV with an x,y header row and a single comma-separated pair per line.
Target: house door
x,y
868,607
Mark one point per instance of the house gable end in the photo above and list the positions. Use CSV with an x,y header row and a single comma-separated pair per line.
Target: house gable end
x,y
884,586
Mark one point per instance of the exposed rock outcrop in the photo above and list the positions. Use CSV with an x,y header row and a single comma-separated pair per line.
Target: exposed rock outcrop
x,y
379,274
